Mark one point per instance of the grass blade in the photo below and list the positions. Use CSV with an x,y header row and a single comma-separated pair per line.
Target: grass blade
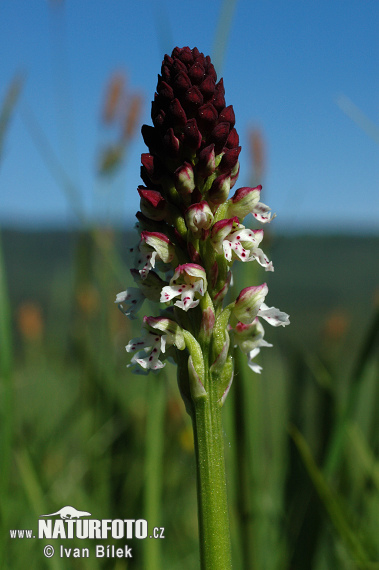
x,y
332,503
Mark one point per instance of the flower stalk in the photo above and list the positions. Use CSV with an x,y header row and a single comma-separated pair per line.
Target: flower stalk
x,y
191,233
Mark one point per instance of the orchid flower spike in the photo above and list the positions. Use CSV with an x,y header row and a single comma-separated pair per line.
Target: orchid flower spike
x,y
191,233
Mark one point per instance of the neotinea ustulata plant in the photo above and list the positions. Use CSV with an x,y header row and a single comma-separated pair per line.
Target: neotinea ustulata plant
x,y
190,234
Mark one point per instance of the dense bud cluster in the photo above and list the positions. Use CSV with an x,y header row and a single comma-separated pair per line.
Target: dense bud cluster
x,y
191,231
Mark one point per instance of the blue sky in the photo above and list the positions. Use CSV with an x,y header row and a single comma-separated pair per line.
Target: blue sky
x,y
285,65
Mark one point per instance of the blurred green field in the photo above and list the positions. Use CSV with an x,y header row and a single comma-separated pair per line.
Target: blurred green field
x,y
301,439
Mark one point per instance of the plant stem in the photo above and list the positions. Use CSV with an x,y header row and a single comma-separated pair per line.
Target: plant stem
x,y
214,532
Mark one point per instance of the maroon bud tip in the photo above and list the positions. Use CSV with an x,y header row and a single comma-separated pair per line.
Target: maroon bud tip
x,y
153,205
229,160
195,53
159,120
210,69
219,190
193,97
219,96
207,87
185,55
228,115
207,163
219,136
165,90
196,73
233,139
207,117
177,113
182,82
171,143
166,75
192,136
150,136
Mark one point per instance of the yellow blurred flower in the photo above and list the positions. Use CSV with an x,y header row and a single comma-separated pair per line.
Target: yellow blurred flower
x,y
30,321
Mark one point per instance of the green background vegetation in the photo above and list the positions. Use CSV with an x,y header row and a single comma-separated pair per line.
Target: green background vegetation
x,y
301,439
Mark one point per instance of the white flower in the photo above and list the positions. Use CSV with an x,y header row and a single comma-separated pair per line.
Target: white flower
x,y
262,213
273,316
188,281
253,365
158,334
147,350
133,299
235,241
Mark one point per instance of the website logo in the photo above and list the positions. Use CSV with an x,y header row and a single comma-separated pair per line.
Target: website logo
x,y
71,523
68,513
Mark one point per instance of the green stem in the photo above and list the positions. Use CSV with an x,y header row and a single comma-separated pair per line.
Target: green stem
x,y
153,466
215,545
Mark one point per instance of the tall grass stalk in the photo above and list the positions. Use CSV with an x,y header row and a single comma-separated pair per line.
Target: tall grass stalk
x,y
367,351
332,503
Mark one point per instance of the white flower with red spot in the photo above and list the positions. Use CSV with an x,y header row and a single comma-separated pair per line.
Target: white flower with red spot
x,y
249,338
262,213
146,350
237,242
158,333
189,282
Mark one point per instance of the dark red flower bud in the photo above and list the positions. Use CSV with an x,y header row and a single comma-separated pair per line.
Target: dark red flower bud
x,y
177,113
153,205
195,53
233,139
151,168
207,163
185,55
165,90
228,115
207,87
192,136
179,67
207,117
189,116
219,136
193,97
210,68
219,96
219,192
181,83
171,143
151,137
168,60
148,162
166,75
229,160
196,73
159,119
